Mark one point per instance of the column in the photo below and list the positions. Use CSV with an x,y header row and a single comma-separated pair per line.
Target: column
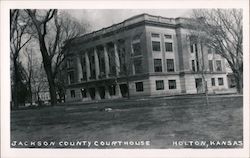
x,y
88,94
97,67
107,95
97,94
87,65
79,68
106,58
117,61
118,93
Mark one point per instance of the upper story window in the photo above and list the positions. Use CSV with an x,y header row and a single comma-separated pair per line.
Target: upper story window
x,y
170,65
169,46
155,35
136,48
218,65
156,46
71,77
139,86
209,51
193,48
157,65
70,63
168,36
211,66
193,65
138,65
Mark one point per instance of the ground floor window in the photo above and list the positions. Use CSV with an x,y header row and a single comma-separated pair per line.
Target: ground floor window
x,y
139,86
72,94
213,81
159,84
220,81
172,84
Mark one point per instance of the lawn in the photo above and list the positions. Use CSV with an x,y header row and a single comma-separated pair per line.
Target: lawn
x,y
138,123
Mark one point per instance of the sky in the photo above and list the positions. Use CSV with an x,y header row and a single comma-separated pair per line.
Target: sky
x,y
101,18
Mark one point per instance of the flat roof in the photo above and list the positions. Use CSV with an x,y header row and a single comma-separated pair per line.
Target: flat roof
x,y
130,21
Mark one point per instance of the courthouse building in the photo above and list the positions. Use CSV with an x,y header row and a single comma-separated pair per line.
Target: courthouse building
x,y
142,56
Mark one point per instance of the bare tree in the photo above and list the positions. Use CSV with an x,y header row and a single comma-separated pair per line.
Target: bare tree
x,y
198,38
19,37
224,30
53,31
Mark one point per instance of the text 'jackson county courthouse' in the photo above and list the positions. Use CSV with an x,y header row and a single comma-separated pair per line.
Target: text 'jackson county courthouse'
x,y
142,56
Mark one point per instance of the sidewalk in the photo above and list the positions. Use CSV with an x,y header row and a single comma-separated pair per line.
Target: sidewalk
x,y
179,96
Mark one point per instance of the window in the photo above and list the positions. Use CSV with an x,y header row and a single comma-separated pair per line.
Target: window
x,y
71,77
218,65
168,36
155,35
170,65
159,84
209,51
139,86
138,65
171,84
157,65
72,94
191,48
169,46
84,93
196,48
70,63
193,65
213,81
156,46
210,64
136,48
220,81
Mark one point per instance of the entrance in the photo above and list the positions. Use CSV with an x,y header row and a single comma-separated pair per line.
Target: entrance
x,y
92,93
199,85
124,90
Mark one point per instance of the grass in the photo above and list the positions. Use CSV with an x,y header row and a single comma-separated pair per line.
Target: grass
x,y
158,120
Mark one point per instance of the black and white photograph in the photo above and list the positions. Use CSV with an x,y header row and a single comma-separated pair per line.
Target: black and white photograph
x,y
121,78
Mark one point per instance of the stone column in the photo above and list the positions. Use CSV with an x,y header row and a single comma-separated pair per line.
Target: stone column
x,y
87,65
106,58
79,68
97,67
118,93
107,95
88,94
117,61
97,94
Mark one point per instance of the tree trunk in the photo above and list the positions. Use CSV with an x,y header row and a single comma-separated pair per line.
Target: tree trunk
x,y
239,81
47,64
52,90
15,83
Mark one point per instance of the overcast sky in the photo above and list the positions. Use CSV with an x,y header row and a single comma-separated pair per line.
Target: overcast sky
x,y
107,17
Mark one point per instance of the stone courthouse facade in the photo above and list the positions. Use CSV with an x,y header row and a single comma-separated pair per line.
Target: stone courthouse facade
x,y
142,56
